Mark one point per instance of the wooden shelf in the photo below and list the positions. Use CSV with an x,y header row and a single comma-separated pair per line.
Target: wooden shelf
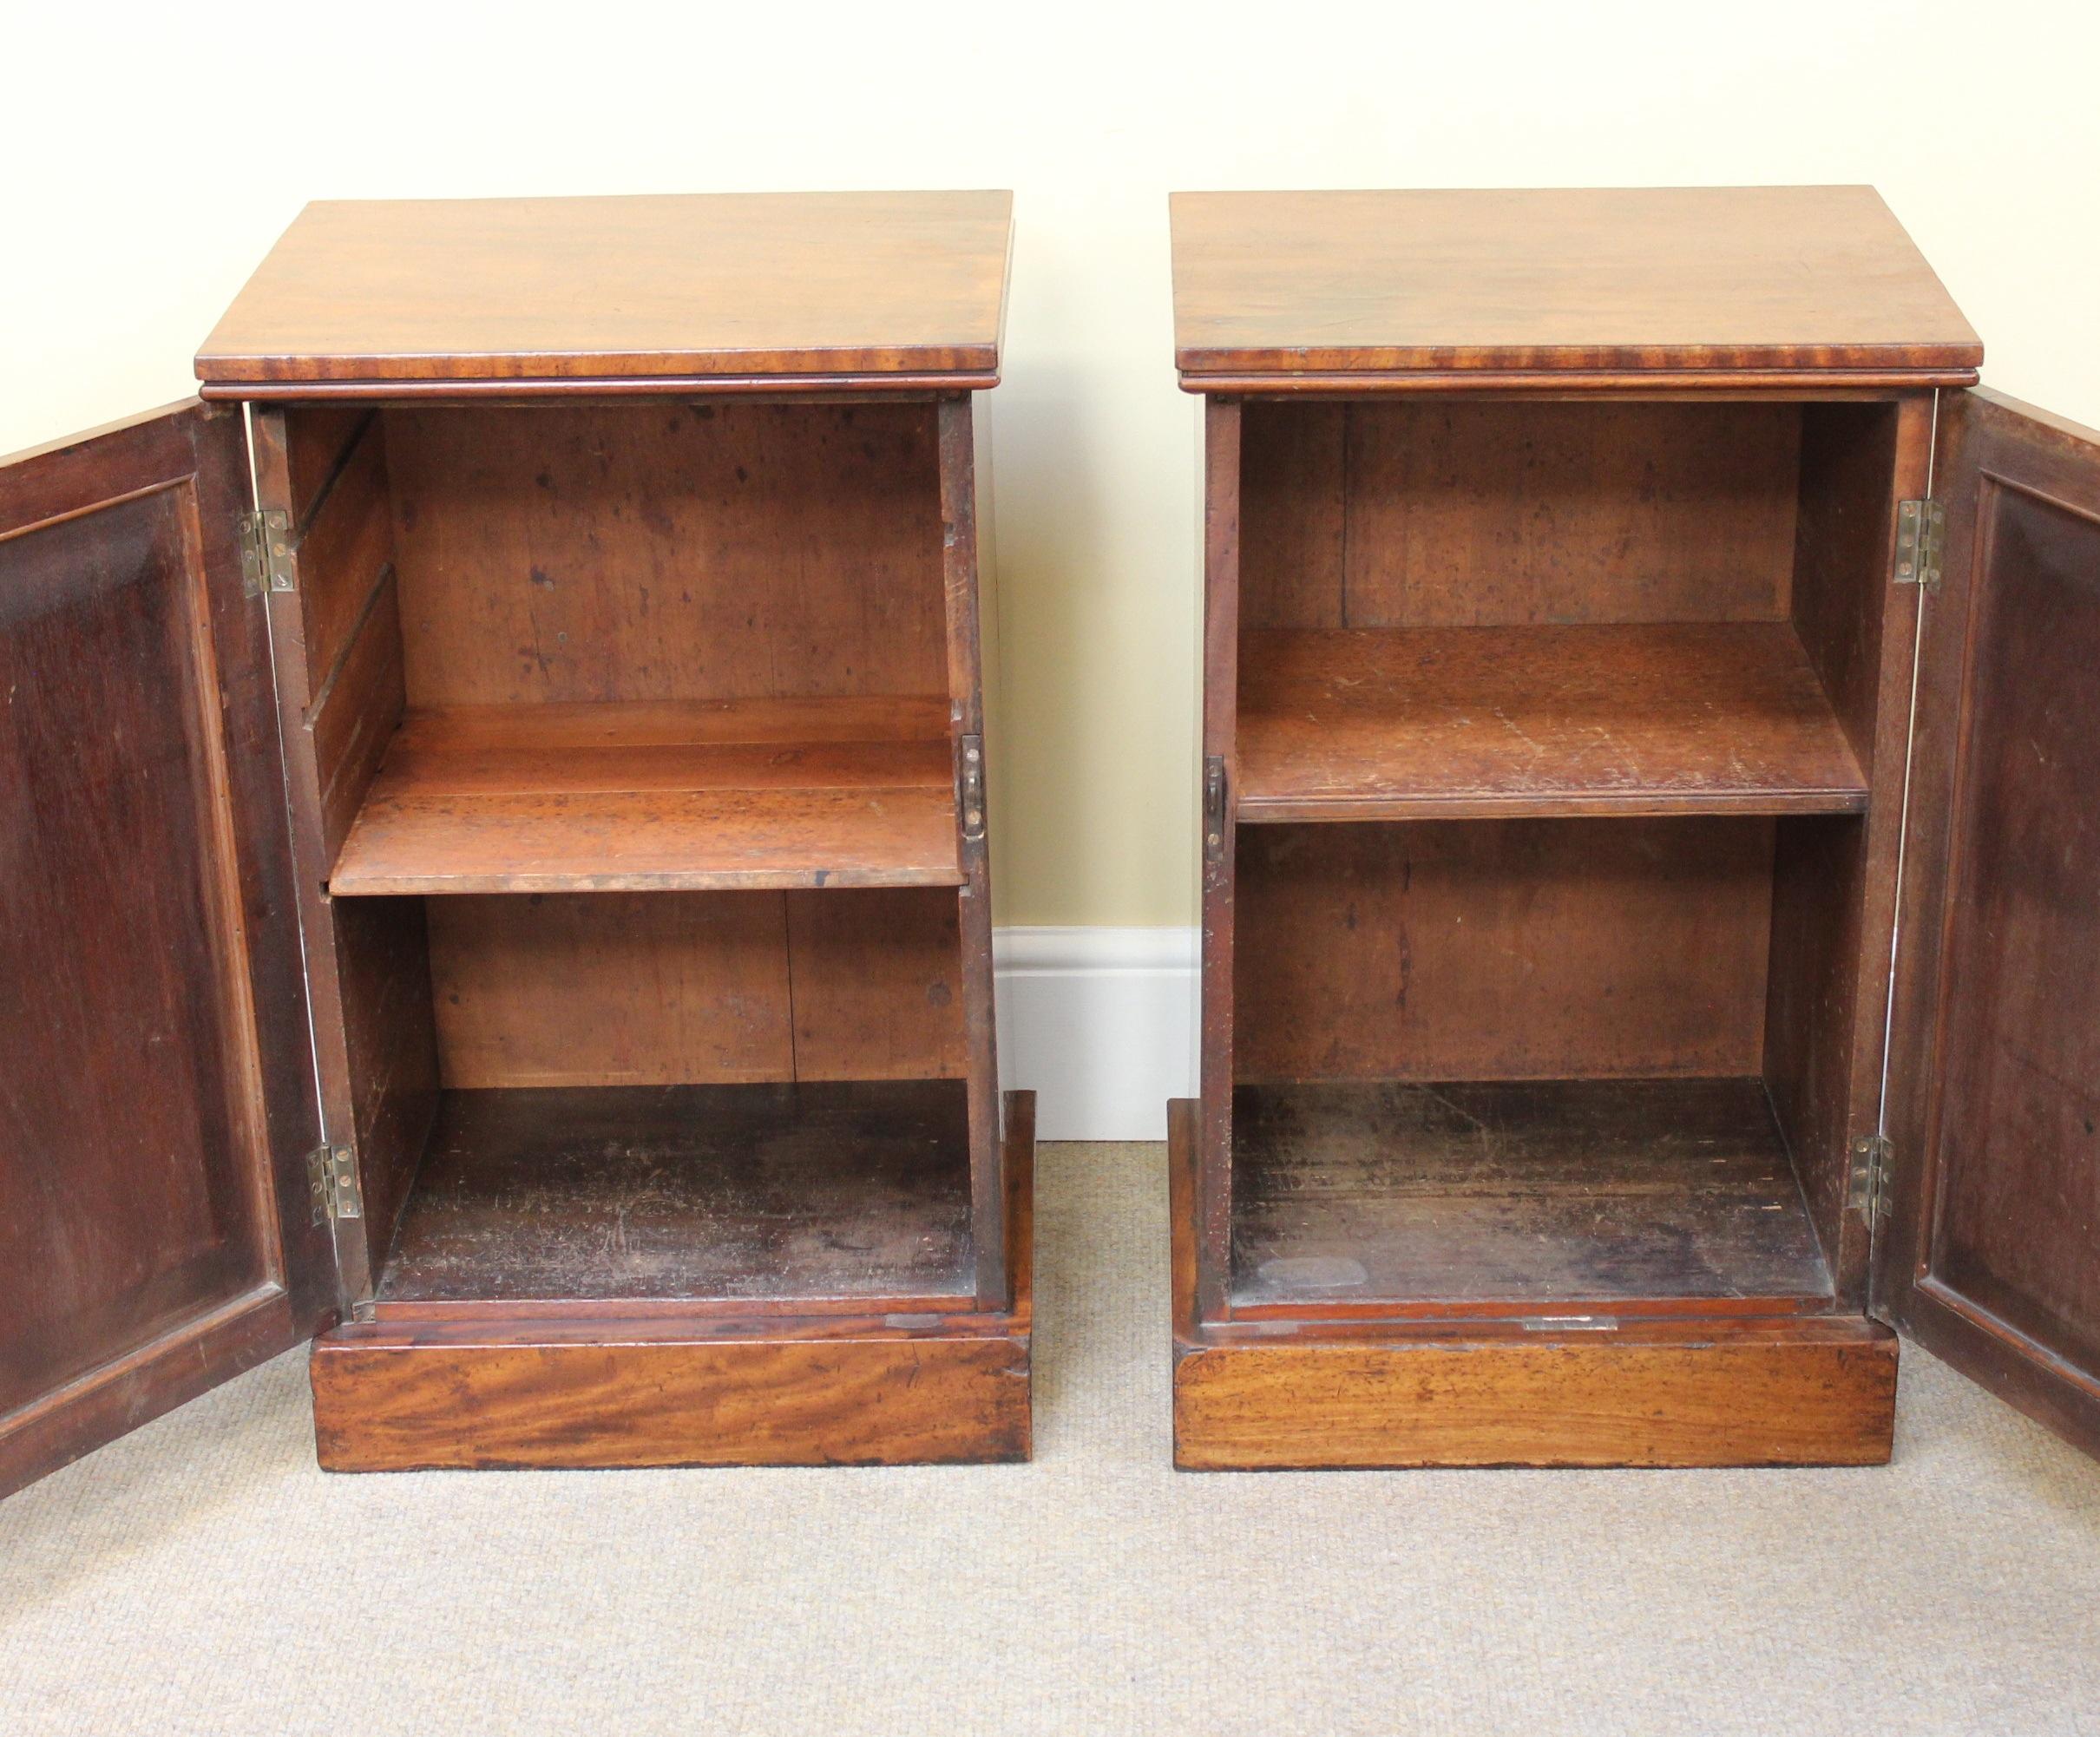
x,y
1460,723
855,1190
1529,1194
659,796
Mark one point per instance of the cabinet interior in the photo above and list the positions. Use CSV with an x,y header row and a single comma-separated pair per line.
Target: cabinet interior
x,y
1556,742
630,737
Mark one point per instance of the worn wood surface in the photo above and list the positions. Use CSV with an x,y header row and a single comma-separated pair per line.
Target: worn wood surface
x,y
861,287
760,1192
1647,283
656,796
1834,880
1483,512
1218,801
963,611
1550,1193
1276,1394
1468,722
650,1389
1992,1256
154,1216
1502,950
668,552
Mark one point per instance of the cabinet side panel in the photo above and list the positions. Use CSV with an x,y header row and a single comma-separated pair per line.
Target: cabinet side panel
x,y
1503,949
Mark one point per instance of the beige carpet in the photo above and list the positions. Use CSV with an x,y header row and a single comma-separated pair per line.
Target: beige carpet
x,y
203,1576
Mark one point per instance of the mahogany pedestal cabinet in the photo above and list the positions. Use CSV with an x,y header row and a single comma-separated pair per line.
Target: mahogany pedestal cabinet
x,y
563,981
1651,838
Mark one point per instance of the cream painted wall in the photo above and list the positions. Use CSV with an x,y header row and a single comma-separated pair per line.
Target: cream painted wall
x,y
153,159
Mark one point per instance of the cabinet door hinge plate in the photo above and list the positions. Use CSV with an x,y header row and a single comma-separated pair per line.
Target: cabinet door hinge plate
x,y
1871,1159
332,1173
1214,805
1920,543
266,551
969,781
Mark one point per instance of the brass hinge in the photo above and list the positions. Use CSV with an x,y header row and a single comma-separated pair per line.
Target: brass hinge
x,y
1921,528
266,551
1213,808
1871,1158
970,785
332,1173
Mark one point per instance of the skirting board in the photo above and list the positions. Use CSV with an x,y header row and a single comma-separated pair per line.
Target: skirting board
x,y
1100,1024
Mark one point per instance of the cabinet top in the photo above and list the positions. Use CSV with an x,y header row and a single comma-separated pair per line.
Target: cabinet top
x,y
855,291
1622,286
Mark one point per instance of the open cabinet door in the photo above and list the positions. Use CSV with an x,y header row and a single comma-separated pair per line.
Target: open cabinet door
x,y
1989,1254
157,1228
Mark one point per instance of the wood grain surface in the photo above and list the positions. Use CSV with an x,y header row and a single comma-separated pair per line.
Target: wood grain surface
x,y
1516,949
655,795
1473,722
859,287
1611,283
1487,512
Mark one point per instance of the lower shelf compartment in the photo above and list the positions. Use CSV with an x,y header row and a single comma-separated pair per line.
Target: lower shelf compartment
x,y
1542,1195
768,1385
797,1194
1694,1389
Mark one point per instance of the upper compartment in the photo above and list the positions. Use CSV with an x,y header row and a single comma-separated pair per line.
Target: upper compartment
x,y
716,292
1611,288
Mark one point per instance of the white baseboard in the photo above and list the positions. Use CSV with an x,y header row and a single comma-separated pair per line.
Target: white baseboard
x,y
1100,1024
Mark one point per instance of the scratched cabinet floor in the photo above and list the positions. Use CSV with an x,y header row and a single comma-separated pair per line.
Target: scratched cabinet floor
x,y
202,1576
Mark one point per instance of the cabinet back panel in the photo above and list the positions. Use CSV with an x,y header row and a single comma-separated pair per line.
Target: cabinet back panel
x,y
697,989
1458,513
1526,949
671,551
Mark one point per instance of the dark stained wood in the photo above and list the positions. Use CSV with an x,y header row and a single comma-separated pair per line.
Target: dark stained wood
x,y
760,1193
367,964
1470,722
1502,950
669,551
970,776
154,1208
1992,1255
653,1390
652,795
1555,1194
1482,512
861,287
1833,881
1218,830
1598,285
1273,1393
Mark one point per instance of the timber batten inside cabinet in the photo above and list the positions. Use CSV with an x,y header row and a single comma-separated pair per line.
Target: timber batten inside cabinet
x,y
1566,559
620,564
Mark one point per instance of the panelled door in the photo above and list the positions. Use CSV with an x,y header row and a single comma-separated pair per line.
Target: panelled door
x,y
156,1097
1989,1254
